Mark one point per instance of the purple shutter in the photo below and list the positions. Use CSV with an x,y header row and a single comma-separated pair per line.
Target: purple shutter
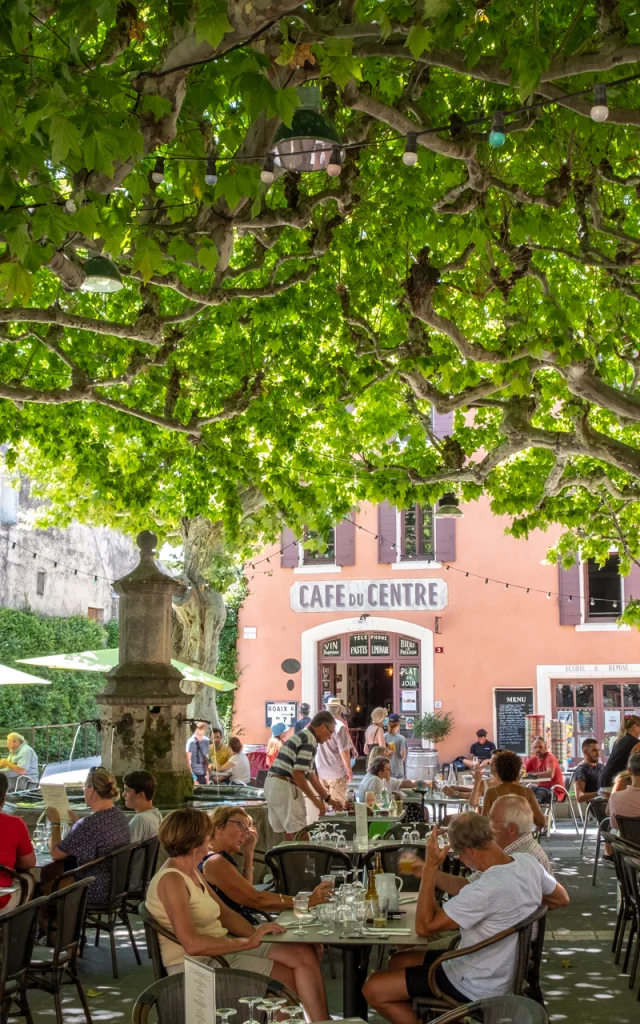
x,y
442,423
288,549
387,532
345,541
631,584
569,591
445,540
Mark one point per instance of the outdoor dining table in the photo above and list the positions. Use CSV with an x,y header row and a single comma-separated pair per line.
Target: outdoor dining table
x,y
356,949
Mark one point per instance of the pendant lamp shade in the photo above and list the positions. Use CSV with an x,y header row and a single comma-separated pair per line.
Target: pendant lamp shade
x,y
101,275
448,508
307,144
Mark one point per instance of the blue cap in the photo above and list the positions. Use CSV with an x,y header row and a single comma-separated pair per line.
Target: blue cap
x,y
394,718
279,728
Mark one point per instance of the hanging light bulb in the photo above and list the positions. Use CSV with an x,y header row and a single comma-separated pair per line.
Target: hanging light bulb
x,y
497,136
211,173
157,173
448,508
335,162
599,110
308,144
266,174
101,276
410,155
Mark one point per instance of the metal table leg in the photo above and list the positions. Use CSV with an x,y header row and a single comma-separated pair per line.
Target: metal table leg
x,y
355,960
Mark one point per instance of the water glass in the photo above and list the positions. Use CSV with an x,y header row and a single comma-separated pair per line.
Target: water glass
x,y
348,922
326,915
329,880
301,912
360,911
379,909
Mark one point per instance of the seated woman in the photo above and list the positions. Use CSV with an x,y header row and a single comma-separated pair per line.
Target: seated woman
x,y
16,848
233,833
237,769
181,899
104,830
378,780
507,767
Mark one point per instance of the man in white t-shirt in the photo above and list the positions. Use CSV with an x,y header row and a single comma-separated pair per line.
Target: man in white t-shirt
x,y
333,758
237,768
509,889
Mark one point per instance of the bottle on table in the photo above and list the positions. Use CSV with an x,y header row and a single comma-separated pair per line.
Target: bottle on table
x,y
452,779
375,869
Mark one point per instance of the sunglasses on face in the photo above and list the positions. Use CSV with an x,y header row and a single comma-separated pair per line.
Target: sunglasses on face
x,y
241,825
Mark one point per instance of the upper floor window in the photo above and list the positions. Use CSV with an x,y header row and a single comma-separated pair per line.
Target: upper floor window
x,y
314,556
40,578
603,590
417,537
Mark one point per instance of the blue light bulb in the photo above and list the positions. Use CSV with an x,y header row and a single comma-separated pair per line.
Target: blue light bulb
x,y
497,135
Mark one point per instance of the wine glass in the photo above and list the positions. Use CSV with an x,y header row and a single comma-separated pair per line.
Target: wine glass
x,y
301,912
250,1001
225,1012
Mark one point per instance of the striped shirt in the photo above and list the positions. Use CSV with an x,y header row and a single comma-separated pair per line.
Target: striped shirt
x,y
296,755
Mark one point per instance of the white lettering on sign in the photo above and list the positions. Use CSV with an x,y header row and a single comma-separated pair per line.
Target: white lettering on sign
x,y
591,669
369,595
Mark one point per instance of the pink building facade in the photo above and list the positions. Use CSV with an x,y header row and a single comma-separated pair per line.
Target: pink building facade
x,y
390,617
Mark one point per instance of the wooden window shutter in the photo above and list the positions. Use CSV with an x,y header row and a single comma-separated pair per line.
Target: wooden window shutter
x,y
631,584
445,540
569,587
442,423
289,556
387,517
345,541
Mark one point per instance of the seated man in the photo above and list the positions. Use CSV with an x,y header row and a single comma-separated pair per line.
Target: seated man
x,y
378,780
545,768
138,791
22,760
507,767
508,893
481,749
16,848
219,752
237,769
627,801
587,776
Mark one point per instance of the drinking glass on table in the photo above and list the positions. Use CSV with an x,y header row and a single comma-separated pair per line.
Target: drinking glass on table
x,y
370,798
379,911
326,915
414,835
225,1012
250,1001
301,913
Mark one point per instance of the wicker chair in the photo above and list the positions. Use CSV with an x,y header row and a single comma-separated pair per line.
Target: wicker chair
x,y
66,910
426,1005
295,868
167,995
17,938
24,891
629,829
500,1010
152,930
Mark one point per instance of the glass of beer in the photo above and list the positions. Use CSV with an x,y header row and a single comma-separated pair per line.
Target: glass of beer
x,y
379,911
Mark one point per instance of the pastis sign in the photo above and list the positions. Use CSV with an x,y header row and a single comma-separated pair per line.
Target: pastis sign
x,y
369,595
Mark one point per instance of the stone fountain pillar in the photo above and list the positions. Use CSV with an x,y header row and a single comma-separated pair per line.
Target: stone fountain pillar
x,y
143,705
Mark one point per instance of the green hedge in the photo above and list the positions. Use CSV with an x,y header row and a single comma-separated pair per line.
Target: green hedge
x,y
227,667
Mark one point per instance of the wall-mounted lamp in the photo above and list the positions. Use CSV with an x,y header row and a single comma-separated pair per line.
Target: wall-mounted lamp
x,y
436,628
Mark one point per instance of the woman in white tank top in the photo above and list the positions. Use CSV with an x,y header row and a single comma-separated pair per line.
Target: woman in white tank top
x,y
180,899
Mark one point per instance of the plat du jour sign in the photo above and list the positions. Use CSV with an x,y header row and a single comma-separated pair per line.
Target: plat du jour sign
x,y
369,595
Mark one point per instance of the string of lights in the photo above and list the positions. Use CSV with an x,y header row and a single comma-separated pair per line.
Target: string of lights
x,y
57,564
467,573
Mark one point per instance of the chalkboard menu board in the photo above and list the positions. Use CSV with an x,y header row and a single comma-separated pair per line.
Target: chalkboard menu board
x,y
409,677
359,645
408,648
331,648
380,646
511,707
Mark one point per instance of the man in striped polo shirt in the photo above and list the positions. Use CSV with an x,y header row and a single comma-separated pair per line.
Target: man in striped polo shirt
x,y
292,776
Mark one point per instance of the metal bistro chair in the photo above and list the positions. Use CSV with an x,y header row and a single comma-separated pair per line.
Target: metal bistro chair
x,y
632,868
17,938
629,829
551,814
108,916
499,1010
296,868
142,868
626,911
426,1005
66,910
152,930
167,995
595,809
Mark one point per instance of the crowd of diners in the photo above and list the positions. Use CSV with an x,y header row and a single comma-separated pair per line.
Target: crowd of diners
x,y
204,891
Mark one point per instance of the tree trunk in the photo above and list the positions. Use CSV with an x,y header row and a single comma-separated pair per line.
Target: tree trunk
x,y
199,616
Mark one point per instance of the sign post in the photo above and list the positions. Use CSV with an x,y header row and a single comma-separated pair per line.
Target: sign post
x,y
280,711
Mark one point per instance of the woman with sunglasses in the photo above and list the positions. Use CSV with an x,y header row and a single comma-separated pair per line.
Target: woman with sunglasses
x,y
105,829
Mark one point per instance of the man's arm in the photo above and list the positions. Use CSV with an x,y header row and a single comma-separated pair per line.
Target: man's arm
x,y
310,786
581,796
345,755
558,898
429,917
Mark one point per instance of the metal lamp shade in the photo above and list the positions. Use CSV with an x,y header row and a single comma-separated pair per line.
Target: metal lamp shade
x,y
307,144
448,508
101,275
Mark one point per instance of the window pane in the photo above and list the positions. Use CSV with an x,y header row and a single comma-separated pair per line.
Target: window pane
x,y
329,552
632,695
611,695
564,696
428,547
584,696
603,584
410,532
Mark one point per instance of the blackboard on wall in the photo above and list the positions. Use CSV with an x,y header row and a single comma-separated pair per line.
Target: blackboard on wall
x,y
511,706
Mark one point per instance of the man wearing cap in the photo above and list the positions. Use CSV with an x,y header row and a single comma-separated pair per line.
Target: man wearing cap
x,y
397,747
333,758
304,719
482,749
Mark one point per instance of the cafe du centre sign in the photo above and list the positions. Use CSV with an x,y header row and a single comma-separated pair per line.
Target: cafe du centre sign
x,y
428,595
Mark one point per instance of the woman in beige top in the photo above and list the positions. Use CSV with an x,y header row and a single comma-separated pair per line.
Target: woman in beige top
x,y
180,898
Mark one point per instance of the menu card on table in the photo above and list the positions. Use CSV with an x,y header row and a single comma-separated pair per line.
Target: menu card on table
x,y
199,992
362,826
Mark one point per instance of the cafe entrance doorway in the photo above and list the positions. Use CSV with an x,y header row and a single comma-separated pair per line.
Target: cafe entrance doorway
x,y
369,686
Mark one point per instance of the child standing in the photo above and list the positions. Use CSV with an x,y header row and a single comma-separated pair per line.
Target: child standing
x,y
397,747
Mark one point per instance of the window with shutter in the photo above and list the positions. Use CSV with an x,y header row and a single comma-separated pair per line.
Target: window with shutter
x,y
289,555
445,540
387,519
316,555
417,533
569,595
442,423
603,590
345,541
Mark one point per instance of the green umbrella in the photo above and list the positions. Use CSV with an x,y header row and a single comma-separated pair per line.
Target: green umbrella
x,y
104,660
12,677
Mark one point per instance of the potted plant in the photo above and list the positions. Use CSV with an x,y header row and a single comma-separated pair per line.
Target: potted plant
x,y
433,727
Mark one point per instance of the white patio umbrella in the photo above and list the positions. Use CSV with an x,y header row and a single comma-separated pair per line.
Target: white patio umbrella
x,y
12,677
104,659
